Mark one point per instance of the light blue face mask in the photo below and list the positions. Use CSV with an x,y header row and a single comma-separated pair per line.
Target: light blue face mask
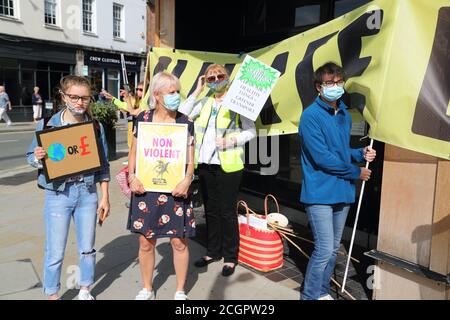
x,y
218,86
172,101
333,93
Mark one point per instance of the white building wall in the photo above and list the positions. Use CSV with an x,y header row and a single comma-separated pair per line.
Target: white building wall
x,y
134,27
29,22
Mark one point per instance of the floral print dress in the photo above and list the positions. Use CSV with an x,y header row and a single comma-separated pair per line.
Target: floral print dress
x,y
158,215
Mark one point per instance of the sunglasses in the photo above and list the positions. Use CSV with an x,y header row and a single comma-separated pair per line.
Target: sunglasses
x,y
139,89
219,77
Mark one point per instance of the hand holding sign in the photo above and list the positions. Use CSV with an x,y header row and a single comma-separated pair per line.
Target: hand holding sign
x,y
68,151
39,153
251,87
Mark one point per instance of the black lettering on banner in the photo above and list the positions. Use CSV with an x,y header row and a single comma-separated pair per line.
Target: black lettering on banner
x,y
304,73
200,73
163,63
350,45
268,114
179,68
430,117
229,67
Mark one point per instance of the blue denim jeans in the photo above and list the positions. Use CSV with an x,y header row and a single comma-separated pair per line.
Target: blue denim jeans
x,y
79,202
327,224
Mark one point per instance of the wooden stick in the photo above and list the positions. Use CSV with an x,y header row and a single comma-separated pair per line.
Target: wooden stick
x,y
276,228
295,245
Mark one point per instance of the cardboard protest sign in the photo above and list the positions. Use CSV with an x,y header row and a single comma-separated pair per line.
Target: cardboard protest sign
x,y
251,87
71,150
161,155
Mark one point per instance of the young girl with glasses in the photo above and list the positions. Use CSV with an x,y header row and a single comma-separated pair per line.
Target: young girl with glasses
x,y
74,197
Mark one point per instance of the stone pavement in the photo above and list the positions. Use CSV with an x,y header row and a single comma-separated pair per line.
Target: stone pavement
x,y
17,127
117,273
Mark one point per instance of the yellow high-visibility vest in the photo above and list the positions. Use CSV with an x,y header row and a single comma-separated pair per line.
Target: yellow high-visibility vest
x,y
227,126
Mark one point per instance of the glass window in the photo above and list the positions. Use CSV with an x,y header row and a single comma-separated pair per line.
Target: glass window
x,y
11,84
43,84
117,20
59,66
343,6
7,8
88,15
113,83
307,15
27,85
50,12
96,78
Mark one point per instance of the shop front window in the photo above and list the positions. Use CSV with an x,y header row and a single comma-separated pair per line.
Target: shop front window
x,y
27,86
10,80
96,78
43,83
113,83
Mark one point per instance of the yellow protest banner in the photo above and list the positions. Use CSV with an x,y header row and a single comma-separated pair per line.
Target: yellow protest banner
x,y
396,59
161,155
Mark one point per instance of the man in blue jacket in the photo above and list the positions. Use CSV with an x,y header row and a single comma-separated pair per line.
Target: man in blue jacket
x,y
328,175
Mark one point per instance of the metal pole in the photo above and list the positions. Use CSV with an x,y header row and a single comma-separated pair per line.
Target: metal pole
x,y
354,227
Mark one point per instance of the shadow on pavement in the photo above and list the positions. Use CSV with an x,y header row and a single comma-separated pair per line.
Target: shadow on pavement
x,y
19,179
118,255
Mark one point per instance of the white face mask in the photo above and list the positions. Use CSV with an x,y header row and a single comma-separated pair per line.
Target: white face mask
x,y
76,112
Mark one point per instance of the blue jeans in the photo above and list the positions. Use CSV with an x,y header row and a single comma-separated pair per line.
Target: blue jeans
x,y
327,224
75,201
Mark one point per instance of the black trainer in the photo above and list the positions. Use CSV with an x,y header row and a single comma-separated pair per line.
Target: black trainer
x,y
202,262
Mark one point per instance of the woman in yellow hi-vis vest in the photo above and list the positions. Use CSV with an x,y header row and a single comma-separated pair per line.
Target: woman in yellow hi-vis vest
x,y
220,135
133,104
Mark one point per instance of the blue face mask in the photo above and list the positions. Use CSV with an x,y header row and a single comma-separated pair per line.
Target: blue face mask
x,y
218,86
172,101
333,93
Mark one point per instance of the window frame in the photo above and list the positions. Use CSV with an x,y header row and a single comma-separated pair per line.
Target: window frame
x,y
10,6
53,20
120,19
93,16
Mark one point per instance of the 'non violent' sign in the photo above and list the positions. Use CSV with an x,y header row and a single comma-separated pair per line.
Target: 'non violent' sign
x,y
161,155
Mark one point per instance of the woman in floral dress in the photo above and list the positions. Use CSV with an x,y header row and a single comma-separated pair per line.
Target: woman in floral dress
x,y
158,215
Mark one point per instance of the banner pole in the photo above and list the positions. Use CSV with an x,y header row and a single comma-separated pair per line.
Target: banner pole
x,y
147,69
361,194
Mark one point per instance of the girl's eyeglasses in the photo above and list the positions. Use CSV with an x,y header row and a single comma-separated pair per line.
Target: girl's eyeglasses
x,y
219,77
74,98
